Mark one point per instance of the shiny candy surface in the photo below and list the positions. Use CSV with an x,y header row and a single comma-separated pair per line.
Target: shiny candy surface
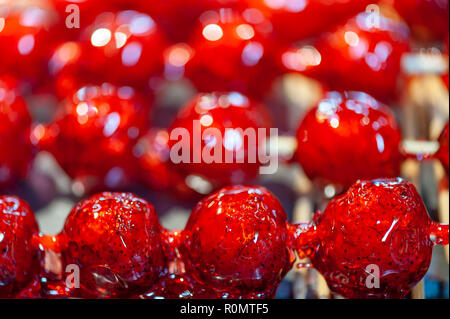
x,y
129,40
93,135
15,126
208,138
295,20
378,228
346,137
237,242
18,259
228,43
362,54
115,240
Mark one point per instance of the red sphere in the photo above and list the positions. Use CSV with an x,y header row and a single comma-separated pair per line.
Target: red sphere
x,y
18,259
115,239
427,18
237,243
294,20
375,241
214,125
364,54
130,41
232,53
443,153
15,124
93,135
346,137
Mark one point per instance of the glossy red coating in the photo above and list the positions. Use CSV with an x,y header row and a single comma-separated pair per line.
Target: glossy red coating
x,y
115,239
185,14
93,135
19,260
443,153
294,20
232,52
237,242
15,126
219,111
24,41
364,54
346,137
131,41
378,228
427,18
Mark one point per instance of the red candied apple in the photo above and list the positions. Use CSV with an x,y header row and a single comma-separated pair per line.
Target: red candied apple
x,y
207,138
364,54
15,127
93,135
346,137
18,258
232,52
443,152
115,239
237,243
375,241
294,20
131,41
428,18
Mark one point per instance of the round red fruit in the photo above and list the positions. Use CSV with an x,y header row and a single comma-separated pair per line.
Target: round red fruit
x,y
130,41
93,135
376,240
364,54
115,239
237,242
232,53
210,138
346,137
